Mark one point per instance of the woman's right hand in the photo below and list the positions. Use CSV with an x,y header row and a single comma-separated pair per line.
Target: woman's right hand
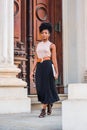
x,y
31,75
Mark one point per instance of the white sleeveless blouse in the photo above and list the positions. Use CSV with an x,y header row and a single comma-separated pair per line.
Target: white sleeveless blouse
x,y
43,49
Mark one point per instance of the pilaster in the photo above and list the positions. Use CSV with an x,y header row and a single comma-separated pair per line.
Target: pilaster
x,y
13,97
74,41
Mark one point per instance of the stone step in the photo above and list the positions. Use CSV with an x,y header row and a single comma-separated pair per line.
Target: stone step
x,y
35,104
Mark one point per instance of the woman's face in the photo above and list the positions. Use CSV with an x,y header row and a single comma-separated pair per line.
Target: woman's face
x,y
45,35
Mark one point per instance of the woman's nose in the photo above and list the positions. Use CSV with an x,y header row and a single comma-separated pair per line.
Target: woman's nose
x,y
44,34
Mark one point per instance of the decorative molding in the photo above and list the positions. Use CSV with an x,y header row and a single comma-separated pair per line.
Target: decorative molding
x,y
38,11
20,58
16,7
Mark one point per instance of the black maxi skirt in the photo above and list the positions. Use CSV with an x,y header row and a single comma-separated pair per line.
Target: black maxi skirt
x,y
45,83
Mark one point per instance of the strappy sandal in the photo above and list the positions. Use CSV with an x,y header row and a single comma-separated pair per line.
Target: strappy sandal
x,y
49,109
43,113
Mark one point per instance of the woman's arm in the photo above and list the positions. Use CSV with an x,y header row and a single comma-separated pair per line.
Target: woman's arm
x,y
34,67
54,59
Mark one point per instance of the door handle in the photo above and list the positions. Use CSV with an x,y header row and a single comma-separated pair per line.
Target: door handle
x,y
58,27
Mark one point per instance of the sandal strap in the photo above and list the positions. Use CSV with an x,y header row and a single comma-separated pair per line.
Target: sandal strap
x,y
43,113
49,110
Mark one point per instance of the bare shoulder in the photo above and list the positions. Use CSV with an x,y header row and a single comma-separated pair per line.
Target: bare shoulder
x,y
53,46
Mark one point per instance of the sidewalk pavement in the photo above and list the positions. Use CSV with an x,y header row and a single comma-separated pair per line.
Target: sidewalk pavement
x,y
31,121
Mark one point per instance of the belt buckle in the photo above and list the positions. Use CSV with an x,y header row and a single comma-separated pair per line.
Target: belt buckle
x,y
41,60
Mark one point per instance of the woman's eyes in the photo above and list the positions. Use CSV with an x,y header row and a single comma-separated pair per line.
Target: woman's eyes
x,y
44,33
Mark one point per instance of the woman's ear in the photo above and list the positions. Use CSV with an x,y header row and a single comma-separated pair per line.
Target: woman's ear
x,y
49,34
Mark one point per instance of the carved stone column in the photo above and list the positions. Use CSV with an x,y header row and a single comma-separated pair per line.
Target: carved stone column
x,y
13,95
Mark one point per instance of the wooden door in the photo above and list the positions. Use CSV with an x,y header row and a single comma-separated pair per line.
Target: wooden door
x,y
56,19
28,15
40,11
20,54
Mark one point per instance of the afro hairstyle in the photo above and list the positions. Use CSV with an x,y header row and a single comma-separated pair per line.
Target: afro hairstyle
x,y
45,25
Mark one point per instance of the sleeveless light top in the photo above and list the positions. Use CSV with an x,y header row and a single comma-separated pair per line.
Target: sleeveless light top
x,y
43,49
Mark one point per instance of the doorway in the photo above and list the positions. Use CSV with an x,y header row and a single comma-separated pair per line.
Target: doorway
x,y
28,15
41,11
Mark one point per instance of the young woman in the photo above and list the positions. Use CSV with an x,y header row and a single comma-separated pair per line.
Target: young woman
x,y
45,79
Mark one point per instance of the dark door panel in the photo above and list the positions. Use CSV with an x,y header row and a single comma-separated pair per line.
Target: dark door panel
x,y
28,15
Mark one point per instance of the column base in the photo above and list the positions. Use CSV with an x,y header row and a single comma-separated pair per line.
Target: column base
x,y
77,91
13,92
74,115
15,105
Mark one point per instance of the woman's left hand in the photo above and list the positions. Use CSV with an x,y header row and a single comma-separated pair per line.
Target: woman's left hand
x,y
56,76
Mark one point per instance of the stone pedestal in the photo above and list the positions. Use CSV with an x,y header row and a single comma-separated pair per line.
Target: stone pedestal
x,y
74,114
74,110
13,91
77,91
13,95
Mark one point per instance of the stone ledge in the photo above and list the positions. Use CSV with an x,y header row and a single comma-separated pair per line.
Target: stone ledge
x,y
9,68
77,91
61,96
11,92
12,82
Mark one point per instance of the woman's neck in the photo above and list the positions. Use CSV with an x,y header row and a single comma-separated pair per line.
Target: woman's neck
x,y
45,40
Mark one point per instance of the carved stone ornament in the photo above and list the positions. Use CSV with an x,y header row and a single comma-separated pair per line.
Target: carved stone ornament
x,y
41,13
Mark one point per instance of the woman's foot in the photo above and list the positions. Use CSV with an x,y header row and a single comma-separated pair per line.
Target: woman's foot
x,y
49,109
43,113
